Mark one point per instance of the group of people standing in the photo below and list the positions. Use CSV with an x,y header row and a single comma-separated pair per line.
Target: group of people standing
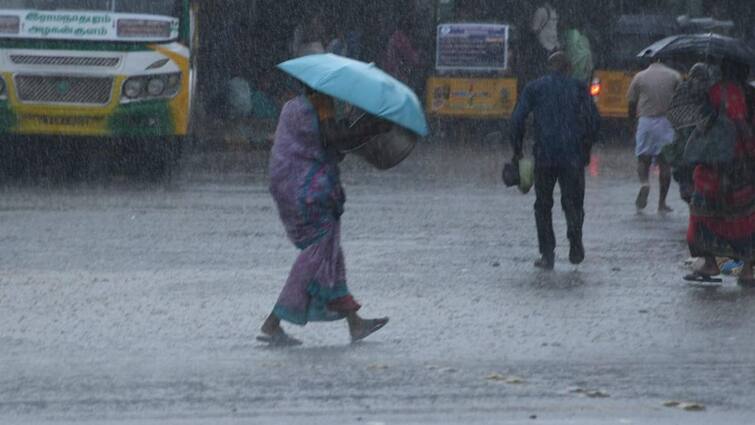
x,y
674,114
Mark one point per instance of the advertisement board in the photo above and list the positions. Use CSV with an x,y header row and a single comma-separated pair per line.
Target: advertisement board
x,y
471,97
472,47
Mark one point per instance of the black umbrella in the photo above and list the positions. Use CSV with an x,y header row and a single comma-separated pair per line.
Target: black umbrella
x,y
701,46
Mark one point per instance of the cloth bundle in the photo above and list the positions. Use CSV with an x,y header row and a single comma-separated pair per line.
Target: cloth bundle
x,y
689,106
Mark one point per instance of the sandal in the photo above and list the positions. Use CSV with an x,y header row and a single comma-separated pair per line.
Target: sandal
x,y
700,277
369,327
279,339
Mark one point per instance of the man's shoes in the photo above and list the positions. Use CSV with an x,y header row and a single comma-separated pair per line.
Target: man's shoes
x,y
576,253
642,198
546,262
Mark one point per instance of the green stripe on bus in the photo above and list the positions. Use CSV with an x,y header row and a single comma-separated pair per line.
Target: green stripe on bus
x,y
7,118
142,119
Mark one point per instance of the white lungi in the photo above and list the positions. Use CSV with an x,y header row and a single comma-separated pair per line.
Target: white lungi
x,y
653,133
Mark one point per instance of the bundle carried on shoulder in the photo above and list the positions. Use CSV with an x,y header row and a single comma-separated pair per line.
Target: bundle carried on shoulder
x,y
690,106
713,141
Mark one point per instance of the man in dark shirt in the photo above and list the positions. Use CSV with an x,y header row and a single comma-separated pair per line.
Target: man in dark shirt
x,y
566,124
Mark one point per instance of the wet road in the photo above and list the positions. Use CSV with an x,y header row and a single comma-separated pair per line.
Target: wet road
x,y
140,305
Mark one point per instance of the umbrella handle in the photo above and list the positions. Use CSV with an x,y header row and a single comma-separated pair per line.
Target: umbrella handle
x,y
356,148
359,118
352,125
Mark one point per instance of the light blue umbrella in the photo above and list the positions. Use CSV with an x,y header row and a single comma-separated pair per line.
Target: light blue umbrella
x,y
361,84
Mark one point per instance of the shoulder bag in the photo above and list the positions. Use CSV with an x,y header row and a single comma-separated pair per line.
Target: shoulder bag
x,y
714,143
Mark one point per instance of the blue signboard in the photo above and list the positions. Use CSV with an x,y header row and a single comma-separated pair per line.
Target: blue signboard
x,y
472,47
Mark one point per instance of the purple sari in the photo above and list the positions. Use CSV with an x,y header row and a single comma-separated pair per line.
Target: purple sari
x,y
306,186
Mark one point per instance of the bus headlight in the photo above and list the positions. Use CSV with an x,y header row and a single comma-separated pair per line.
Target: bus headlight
x,y
133,88
148,87
173,80
156,87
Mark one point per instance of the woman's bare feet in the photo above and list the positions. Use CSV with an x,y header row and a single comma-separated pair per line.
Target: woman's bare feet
x,y
362,328
272,325
274,335
709,268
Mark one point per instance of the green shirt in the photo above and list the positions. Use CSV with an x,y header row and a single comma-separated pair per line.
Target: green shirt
x,y
580,55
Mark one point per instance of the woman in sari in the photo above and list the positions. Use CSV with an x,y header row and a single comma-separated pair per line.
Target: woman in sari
x,y
722,208
305,184
689,108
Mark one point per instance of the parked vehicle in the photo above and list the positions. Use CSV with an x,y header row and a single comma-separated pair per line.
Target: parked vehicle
x,y
106,69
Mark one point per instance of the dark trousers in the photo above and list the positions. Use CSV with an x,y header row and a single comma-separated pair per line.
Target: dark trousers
x,y
571,180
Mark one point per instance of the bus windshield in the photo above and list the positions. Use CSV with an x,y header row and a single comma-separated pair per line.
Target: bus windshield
x,y
148,7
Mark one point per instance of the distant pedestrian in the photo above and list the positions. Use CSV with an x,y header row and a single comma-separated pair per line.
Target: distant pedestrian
x,y
577,47
306,186
338,44
650,94
722,209
335,34
566,124
545,27
542,41
309,37
400,58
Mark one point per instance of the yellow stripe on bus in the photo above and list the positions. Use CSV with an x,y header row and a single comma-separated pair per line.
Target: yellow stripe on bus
x,y
179,105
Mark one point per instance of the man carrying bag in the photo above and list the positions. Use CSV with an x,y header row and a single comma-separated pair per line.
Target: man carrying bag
x,y
566,124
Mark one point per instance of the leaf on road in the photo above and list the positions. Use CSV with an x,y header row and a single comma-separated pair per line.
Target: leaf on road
x,y
596,394
692,407
686,406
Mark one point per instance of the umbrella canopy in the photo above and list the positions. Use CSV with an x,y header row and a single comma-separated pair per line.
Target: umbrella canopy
x,y
701,45
362,85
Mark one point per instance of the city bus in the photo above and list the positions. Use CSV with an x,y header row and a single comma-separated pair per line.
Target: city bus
x,y
105,69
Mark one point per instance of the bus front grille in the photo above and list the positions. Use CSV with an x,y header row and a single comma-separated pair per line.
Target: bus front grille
x,y
70,90
109,62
